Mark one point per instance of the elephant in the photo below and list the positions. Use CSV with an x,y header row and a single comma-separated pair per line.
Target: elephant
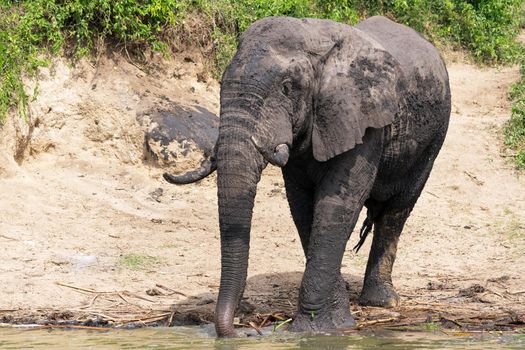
x,y
355,117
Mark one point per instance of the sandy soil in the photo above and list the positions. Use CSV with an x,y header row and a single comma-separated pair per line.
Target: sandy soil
x,y
87,236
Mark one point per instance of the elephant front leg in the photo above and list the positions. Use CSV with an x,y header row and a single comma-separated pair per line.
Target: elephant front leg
x,y
378,289
342,186
323,297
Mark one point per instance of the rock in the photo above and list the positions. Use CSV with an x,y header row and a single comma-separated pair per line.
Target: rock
x,y
154,292
179,138
471,291
157,194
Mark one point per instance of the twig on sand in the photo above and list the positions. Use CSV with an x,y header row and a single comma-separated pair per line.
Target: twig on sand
x,y
265,319
170,319
432,194
104,316
38,326
122,297
254,326
91,303
456,323
474,178
137,296
426,303
119,294
373,322
50,326
517,292
495,293
172,291
81,289
411,296
8,238
149,319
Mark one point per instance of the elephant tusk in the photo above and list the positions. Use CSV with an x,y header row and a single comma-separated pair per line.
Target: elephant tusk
x,y
280,155
207,167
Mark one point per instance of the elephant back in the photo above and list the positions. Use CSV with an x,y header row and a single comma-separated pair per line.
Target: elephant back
x,y
418,58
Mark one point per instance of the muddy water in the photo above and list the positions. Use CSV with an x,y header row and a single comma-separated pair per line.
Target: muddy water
x,y
201,338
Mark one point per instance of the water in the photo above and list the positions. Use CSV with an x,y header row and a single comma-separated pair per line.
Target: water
x,y
196,338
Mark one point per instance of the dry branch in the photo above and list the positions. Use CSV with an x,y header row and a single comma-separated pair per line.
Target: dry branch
x,y
373,322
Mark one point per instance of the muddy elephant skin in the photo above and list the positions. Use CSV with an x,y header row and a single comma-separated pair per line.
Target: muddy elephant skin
x,y
354,116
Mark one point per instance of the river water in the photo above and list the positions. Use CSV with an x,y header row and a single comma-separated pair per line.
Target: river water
x,y
194,338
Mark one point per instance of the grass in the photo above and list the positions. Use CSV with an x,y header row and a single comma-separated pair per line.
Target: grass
x,y
515,128
137,262
515,230
486,29
511,229
32,30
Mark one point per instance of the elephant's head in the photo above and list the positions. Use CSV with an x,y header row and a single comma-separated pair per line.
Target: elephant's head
x,y
294,86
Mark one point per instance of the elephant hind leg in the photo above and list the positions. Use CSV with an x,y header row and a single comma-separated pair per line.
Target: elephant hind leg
x,y
388,219
378,289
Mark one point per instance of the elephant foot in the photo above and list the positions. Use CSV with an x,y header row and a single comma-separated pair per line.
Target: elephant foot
x,y
380,294
322,322
335,316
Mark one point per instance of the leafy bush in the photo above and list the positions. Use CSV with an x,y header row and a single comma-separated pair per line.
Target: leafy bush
x,y
515,128
31,28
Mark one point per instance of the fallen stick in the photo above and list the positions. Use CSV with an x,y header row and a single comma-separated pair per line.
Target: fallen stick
x,y
91,303
122,297
373,322
50,326
47,326
119,294
9,325
8,238
517,292
81,289
170,319
170,290
129,294
432,194
148,319
254,326
104,316
474,178
495,293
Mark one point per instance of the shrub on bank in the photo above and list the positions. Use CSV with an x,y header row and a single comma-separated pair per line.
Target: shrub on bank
x,y
29,29
515,128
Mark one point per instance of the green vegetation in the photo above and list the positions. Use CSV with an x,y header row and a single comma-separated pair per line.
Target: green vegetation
x,y
280,324
31,29
515,128
485,28
134,261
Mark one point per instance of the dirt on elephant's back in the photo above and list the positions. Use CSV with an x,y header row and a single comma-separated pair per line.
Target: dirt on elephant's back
x,y
92,235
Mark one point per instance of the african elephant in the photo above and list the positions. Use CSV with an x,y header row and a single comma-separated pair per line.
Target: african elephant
x,y
354,116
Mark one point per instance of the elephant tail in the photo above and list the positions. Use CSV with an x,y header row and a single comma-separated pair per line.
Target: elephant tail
x,y
365,230
374,210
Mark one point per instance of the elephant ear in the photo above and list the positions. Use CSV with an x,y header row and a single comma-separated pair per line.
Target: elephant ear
x,y
357,90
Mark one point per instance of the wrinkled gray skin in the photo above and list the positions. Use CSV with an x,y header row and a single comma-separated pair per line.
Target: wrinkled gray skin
x,y
355,116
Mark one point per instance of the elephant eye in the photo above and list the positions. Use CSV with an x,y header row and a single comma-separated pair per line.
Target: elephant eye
x,y
286,88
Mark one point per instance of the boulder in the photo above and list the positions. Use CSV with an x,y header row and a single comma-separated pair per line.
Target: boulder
x,y
180,137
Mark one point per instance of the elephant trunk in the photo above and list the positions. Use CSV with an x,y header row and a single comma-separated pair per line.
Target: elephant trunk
x,y
239,170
